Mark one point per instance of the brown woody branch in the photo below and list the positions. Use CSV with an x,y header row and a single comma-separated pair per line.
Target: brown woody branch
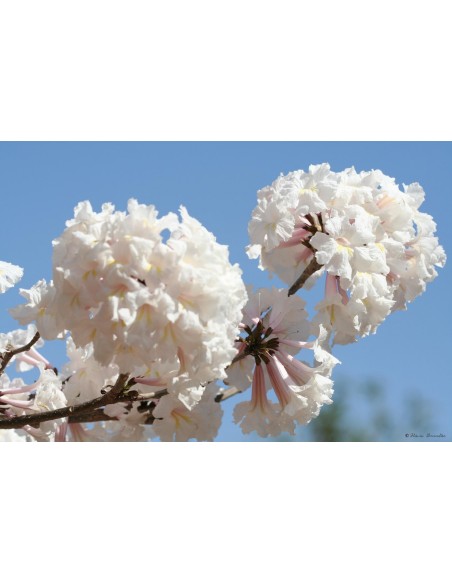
x,y
91,411
95,416
226,394
110,397
316,225
98,415
310,269
6,358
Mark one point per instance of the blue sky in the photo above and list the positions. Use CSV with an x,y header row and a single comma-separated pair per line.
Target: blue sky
x,y
40,183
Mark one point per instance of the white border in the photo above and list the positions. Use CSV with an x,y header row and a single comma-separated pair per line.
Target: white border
x,y
103,70
97,70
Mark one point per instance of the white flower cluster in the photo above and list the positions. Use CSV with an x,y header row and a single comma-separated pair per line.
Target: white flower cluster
x,y
171,421
161,308
18,399
84,379
274,330
44,395
377,249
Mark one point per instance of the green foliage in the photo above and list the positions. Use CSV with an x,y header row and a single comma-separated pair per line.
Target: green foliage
x,y
361,413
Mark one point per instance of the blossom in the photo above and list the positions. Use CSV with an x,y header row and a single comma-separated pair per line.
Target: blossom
x,y
49,395
36,310
85,377
127,425
377,249
19,338
275,329
44,395
152,296
175,422
9,275
14,396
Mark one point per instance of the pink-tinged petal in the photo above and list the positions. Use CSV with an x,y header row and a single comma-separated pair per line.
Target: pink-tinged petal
x,y
23,389
343,294
79,434
17,403
240,349
297,237
25,358
279,380
259,393
331,286
254,308
297,344
277,313
37,355
298,371
13,390
60,432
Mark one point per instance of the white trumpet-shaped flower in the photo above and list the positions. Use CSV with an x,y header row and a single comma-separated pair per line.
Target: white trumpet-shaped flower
x,y
175,422
274,330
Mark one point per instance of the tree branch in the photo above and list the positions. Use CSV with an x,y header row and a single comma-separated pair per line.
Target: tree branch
x,y
95,416
89,411
6,358
111,397
227,394
310,269
239,357
98,415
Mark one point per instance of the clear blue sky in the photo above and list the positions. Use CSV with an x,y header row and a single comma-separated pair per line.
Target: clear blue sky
x,y
40,183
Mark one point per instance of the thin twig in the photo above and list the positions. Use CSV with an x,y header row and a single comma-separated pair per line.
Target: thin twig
x,y
135,396
227,394
111,397
311,268
10,354
239,357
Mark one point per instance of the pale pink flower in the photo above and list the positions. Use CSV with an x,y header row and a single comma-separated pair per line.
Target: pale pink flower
x,y
274,330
